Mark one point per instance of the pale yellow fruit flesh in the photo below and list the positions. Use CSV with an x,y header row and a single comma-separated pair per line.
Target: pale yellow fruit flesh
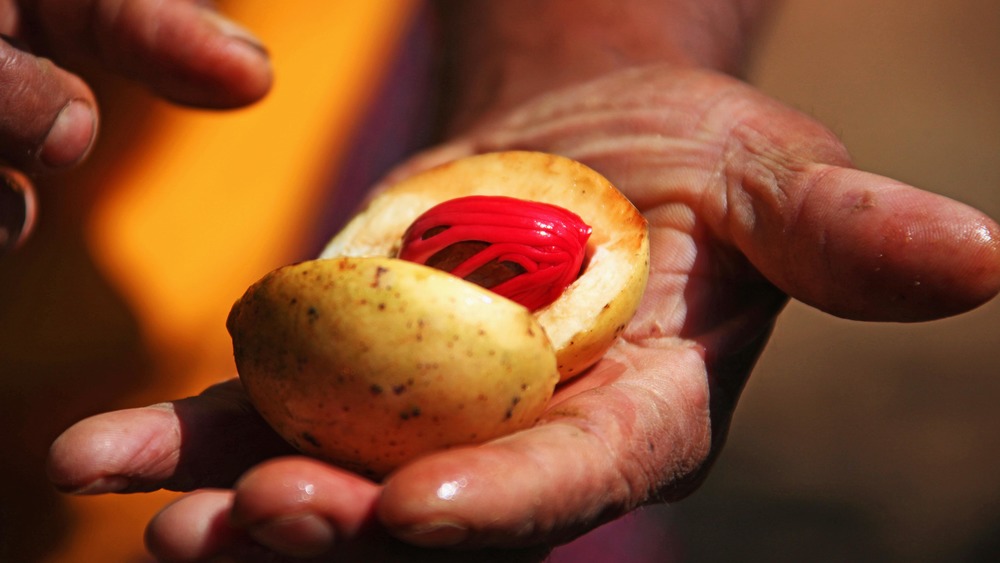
x,y
586,320
371,362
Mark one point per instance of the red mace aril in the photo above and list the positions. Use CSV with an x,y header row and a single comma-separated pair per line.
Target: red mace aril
x,y
526,251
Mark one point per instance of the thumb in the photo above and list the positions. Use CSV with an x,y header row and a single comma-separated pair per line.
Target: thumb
x,y
49,118
852,243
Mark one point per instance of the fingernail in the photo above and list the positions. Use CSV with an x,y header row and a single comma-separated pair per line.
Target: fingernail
x,y
17,210
229,28
300,535
71,135
438,534
104,485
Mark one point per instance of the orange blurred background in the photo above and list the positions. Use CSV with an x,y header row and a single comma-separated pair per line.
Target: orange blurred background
x,y
853,442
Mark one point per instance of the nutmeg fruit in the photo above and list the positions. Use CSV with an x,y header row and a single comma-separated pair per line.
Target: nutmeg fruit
x,y
368,361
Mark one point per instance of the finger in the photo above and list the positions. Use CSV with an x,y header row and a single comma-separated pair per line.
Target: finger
x,y
300,507
851,243
595,456
196,527
17,209
208,440
183,50
50,118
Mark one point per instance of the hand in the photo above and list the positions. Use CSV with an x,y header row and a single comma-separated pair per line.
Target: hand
x,y
179,48
748,201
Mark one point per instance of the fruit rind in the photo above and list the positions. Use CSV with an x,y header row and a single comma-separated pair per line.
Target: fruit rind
x,y
371,362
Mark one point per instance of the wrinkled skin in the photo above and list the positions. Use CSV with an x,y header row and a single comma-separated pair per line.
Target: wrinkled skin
x,y
749,203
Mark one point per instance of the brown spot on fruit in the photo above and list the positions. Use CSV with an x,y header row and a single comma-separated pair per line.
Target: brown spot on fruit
x,y
379,272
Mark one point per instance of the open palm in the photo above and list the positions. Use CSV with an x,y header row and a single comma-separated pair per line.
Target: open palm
x,y
748,203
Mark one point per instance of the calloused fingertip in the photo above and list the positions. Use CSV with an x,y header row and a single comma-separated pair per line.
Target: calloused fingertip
x,y
18,206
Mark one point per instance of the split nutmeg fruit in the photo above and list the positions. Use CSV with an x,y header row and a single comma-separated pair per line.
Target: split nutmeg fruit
x,y
446,312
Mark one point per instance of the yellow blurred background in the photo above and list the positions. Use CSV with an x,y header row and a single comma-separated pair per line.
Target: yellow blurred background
x,y
853,442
